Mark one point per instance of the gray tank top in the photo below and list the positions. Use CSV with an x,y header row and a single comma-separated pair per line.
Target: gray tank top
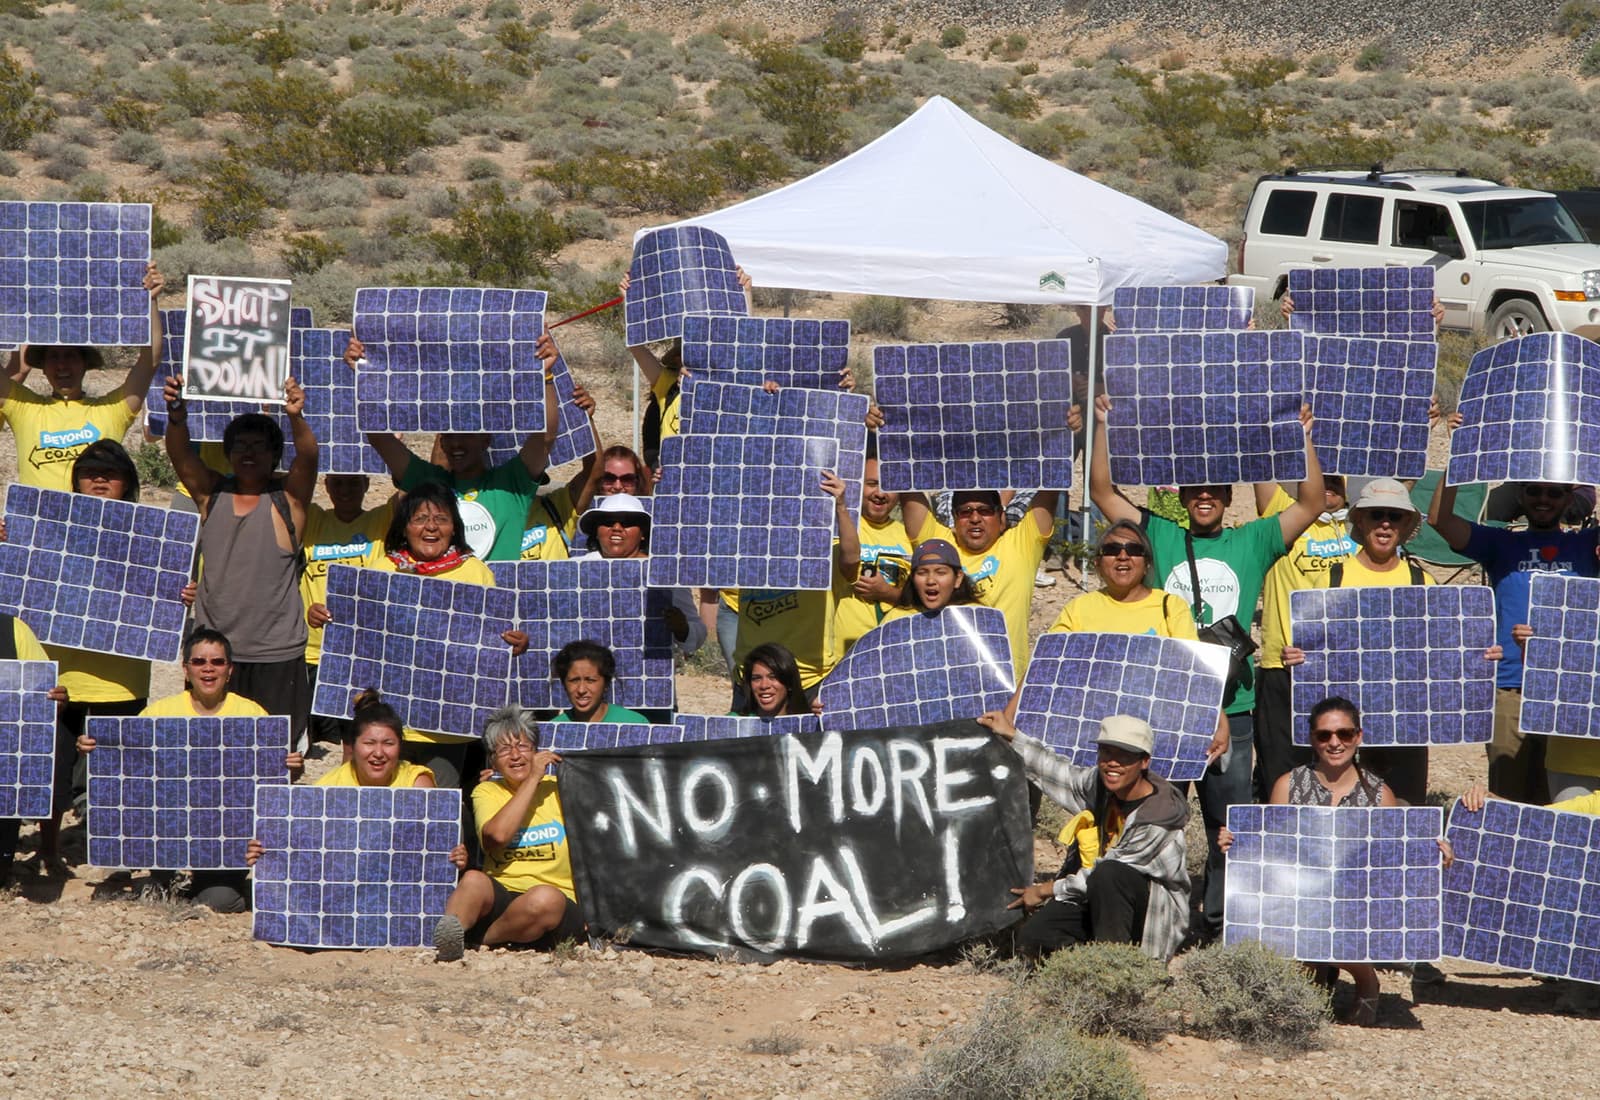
x,y
249,585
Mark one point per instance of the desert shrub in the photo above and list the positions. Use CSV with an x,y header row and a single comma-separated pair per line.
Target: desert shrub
x,y
845,38
1014,101
300,97
1455,353
192,257
1577,18
1340,143
881,316
1322,65
377,136
521,49
1261,73
1589,63
231,200
798,92
502,9
329,291
1014,1052
481,168
924,53
442,81
1378,56
154,467
391,187
586,223
587,14
1184,111
1250,994
952,36
65,161
304,253
23,112
195,97
1013,47
1106,989
495,240
138,148
8,166
123,113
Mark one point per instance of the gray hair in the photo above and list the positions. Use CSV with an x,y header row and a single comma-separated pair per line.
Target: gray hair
x,y
508,723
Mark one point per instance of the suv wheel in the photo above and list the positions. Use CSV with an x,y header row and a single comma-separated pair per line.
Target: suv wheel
x,y
1516,317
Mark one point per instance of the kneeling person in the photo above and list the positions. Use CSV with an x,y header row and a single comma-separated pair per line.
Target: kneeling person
x,y
524,894
1127,880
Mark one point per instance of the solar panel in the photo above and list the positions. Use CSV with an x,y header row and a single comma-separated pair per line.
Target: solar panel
x,y
1411,657
1524,890
73,273
724,408
974,416
1561,661
1370,399
1205,408
179,793
1393,302
810,354
725,727
449,359
1346,885
431,647
354,866
27,738
90,573
773,526
676,271
580,736
921,669
1530,411
597,599
1076,679
574,430
1186,308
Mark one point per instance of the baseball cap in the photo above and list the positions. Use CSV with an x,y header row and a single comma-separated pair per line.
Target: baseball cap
x,y
1124,731
1384,492
936,552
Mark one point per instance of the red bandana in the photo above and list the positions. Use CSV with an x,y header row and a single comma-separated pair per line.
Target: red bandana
x,y
405,563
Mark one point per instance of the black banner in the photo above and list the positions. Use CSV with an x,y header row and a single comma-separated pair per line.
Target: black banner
x,y
870,845
236,339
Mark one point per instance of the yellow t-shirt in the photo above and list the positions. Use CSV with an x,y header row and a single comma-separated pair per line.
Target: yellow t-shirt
x,y
729,598
51,433
1003,577
1158,612
181,705
538,854
670,406
552,521
1574,756
1584,803
1309,557
889,547
1357,575
801,622
27,642
470,571
345,776
101,677
331,541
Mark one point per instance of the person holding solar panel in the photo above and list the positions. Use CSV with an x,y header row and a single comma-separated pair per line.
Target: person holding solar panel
x,y
52,430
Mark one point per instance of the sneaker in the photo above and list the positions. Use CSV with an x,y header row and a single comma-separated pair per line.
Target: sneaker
x,y
449,939
1041,579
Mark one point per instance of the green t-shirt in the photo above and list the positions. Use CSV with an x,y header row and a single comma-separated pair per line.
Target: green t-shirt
x,y
494,507
1233,567
622,716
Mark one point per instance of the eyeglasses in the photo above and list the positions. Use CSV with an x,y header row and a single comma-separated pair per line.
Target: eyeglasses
x,y
1117,549
1345,733
428,519
985,510
1385,515
514,748
620,479
208,662
1545,492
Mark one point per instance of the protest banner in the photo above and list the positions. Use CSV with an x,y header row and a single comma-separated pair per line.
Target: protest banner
x,y
236,342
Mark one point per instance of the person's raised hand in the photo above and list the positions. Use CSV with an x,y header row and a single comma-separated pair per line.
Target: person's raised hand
x,y
1102,408
172,394
1520,633
253,852
517,640
996,722
624,283
583,399
154,281
832,485
354,351
1286,305
458,857
318,616
1075,418
874,416
294,397
1293,655
1306,419
873,588
545,348
84,744
1473,798
1224,838
188,594
543,760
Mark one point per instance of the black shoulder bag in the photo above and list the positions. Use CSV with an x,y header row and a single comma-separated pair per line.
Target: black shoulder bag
x,y
1227,631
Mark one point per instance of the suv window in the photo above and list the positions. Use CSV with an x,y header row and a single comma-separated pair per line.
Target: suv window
x,y
1508,223
1425,225
1352,218
1288,213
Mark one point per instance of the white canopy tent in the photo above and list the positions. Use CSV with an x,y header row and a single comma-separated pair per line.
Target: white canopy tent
x,y
944,207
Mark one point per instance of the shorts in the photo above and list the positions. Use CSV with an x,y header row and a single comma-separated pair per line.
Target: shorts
x,y
570,928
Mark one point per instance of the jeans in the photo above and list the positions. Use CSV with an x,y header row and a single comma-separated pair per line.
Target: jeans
x,y
1112,912
1226,783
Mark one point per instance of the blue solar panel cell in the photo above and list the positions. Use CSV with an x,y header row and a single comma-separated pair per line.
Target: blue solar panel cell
x,y
974,416
921,669
90,573
27,738
1347,884
601,600
449,359
1076,679
1530,411
1370,399
73,273
1183,308
775,530
1524,890
1376,302
810,354
565,737
574,428
431,647
1411,657
179,793
1205,408
678,271
726,727
1561,662
353,867
723,408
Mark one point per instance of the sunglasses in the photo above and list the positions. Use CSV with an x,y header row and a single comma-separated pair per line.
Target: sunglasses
x,y
208,662
984,510
1117,549
620,479
1345,733
1545,492
1386,515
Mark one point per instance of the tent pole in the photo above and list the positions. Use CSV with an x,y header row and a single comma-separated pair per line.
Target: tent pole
x,y
1088,419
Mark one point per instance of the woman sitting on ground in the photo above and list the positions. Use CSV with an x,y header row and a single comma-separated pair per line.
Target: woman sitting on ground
x,y
524,894
772,683
585,670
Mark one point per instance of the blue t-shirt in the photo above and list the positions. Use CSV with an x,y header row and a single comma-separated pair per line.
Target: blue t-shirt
x,y
1511,558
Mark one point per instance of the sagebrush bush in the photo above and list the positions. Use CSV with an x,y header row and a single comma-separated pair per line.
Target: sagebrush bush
x,y
231,201
1012,1051
23,112
154,467
1106,989
880,315
1250,994
494,240
953,36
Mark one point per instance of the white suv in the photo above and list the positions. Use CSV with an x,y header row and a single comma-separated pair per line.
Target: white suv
x,y
1507,260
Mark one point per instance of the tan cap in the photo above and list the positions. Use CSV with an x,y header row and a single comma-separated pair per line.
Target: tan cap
x,y
1384,492
1124,731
